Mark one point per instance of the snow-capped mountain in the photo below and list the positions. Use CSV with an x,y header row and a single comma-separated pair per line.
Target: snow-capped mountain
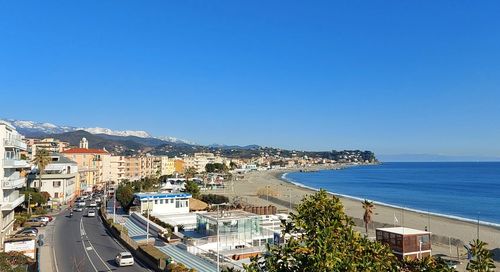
x,y
36,128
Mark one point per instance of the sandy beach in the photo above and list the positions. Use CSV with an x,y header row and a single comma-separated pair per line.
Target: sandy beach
x,y
449,235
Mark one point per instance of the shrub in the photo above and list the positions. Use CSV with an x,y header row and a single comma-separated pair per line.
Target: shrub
x,y
214,199
178,267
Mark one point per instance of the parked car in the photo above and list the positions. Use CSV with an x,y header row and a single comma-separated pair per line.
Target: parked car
x,y
93,204
34,222
45,219
91,213
27,232
80,203
124,259
78,209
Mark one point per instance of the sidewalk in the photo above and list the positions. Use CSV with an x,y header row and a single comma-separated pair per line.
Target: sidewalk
x,y
47,260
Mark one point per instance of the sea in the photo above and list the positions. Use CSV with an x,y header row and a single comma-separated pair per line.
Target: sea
x,y
468,191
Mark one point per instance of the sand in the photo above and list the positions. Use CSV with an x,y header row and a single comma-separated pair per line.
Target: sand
x,y
448,234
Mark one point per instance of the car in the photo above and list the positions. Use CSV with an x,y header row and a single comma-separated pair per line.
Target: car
x,y
80,203
124,258
93,204
27,232
78,209
34,222
45,219
91,213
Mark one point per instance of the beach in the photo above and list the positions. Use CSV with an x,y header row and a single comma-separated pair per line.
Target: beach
x,y
449,235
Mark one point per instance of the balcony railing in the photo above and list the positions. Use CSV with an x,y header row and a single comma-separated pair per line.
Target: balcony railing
x,y
11,202
13,183
13,163
15,143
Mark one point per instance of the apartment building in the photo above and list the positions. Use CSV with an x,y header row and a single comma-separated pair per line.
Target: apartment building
x,y
13,172
93,165
118,165
179,166
150,166
59,179
199,160
167,165
50,144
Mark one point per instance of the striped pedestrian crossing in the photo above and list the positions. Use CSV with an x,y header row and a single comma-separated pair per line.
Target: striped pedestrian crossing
x,y
188,259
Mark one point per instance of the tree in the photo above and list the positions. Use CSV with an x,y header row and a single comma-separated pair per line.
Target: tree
x,y
320,237
41,160
190,172
233,165
367,216
124,194
192,188
482,258
425,264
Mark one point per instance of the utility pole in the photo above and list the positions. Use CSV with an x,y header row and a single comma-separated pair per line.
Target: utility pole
x,y
29,203
114,207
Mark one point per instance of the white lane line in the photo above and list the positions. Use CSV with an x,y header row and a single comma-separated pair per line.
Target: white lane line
x,y
54,246
95,251
83,244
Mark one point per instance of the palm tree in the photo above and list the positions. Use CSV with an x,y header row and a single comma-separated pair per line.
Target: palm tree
x,y
482,258
41,160
367,217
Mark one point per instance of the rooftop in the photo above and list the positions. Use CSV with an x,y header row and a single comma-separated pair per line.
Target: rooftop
x,y
404,231
85,151
161,195
228,215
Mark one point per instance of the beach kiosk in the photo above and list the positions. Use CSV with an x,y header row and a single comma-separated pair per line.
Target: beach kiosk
x,y
406,242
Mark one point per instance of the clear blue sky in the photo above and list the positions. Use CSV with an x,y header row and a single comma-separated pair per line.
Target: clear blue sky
x,y
389,76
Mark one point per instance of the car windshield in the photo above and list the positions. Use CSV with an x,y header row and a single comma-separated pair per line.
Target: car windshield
x,y
126,256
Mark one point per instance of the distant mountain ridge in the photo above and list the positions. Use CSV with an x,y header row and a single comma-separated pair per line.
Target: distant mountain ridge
x,y
37,129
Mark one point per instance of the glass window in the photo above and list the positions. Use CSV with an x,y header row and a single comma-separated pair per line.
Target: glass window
x,y
156,201
161,201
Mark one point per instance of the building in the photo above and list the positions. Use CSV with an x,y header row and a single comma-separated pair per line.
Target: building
x,y
133,168
93,166
179,166
167,165
406,242
50,144
199,160
150,166
118,169
13,172
58,179
162,204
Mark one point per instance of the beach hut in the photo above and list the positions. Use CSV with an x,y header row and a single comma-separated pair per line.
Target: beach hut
x,y
406,242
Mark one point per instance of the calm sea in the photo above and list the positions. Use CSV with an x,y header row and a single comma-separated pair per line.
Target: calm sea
x,y
467,190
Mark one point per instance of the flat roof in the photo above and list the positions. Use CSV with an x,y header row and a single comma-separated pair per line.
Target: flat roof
x,y
228,215
404,231
161,195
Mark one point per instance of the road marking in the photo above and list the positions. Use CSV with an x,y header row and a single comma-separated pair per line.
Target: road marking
x,y
92,247
54,246
83,245
88,248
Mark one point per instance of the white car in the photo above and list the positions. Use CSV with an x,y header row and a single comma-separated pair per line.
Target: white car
x,y
91,213
93,204
124,258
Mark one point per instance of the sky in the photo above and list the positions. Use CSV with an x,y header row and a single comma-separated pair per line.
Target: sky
x,y
394,77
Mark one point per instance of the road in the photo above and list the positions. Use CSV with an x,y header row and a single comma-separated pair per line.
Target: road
x,y
83,244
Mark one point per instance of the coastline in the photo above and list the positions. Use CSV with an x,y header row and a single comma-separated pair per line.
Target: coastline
x,y
449,234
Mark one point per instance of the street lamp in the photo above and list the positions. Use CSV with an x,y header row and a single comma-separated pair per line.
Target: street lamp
x,y
420,248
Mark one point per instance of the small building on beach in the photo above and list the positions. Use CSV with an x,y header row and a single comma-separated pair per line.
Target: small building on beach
x,y
406,242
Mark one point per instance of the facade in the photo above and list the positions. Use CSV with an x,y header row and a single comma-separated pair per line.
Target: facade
x,y
406,242
50,144
179,166
133,168
58,179
162,204
117,168
199,160
150,166
93,165
167,165
13,171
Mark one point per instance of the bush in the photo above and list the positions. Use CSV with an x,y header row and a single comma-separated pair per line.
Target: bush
x,y
13,262
168,227
178,267
214,199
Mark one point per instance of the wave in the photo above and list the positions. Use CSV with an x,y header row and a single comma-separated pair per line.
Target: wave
x,y
285,178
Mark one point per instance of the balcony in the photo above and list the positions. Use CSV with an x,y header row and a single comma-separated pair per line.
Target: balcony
x,y
11,202
13,183
15,143
13,163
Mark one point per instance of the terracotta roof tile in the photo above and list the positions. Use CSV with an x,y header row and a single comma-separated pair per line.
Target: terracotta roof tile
x,y
84,151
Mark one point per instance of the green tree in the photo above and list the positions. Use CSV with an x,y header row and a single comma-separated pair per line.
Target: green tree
x,y
482,258
190,172
429,263
320,237
192,188
367,216
124,194
36,197
41,160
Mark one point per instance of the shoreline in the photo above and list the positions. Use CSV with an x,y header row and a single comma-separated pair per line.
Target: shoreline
x,y
454,217
263,188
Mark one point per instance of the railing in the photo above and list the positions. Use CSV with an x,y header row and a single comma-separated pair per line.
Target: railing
x,y
12,201
15,143
15,163
12,183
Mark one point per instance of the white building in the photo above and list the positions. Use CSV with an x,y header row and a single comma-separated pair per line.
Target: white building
x,y
117,169
162,204
13,171
58,179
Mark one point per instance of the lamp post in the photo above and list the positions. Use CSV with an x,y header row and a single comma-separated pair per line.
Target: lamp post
x,y
420,249
114,207
147,225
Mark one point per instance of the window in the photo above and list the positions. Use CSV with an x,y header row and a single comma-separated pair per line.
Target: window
x,y
161,201
156,201
181,203
56,195
57,183
171,201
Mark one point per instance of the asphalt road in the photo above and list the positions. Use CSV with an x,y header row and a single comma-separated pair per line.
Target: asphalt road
x,y
83,244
